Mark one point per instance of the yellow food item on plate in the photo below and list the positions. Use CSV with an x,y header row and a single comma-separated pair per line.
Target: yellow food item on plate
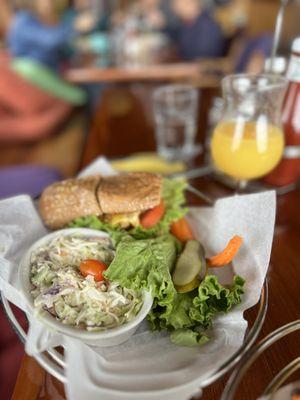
x,y
124,220
148,162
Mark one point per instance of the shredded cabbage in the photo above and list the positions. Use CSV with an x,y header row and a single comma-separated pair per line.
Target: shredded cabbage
x,y
61,290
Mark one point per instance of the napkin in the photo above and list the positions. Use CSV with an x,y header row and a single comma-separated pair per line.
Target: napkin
x,y
149,366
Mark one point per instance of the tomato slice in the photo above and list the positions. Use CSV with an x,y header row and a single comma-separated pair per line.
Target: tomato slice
x,y
94,268
181,230
151,217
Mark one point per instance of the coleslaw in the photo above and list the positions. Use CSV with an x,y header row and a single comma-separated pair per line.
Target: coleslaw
x,y
61,290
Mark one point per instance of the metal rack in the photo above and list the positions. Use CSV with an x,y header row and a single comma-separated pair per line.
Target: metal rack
x,y
53,361
254,353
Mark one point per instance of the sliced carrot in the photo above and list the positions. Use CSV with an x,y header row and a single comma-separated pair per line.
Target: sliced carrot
x,y
181,230
228,254
152,217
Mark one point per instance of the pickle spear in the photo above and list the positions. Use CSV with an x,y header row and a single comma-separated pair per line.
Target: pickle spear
x,y
190,265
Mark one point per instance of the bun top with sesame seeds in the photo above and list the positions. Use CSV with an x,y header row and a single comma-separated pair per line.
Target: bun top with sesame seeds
x,y
127,193
62,202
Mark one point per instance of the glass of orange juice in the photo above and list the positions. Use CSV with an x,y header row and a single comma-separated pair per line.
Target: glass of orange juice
x,y
248,142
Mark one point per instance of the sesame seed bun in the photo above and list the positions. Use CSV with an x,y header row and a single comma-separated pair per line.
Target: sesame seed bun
x,y
127,193
65,201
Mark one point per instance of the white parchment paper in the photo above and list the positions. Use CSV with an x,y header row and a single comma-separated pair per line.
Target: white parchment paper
x,y
149,366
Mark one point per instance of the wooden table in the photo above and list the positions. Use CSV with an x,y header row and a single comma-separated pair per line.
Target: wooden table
x,y
204,73
284,283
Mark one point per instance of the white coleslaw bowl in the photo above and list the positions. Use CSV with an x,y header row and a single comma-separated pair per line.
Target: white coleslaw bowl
x,y
109,337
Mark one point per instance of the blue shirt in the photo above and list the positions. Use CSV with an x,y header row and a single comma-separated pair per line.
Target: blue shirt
x,y
261,44
30,38
202,37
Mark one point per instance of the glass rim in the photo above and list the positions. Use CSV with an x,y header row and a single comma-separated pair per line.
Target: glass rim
x,y
276,81
188,90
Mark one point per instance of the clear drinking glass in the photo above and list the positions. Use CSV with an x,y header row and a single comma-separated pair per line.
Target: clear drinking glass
x,y
175,114
248,142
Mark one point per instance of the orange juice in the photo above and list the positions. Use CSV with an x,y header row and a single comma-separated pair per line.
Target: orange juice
x,y
246,150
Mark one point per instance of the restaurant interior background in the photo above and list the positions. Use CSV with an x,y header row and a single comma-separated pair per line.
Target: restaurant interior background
x,y
95,80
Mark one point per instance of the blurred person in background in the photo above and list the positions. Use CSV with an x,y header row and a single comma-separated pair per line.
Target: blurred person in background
x,y
144,16
251,53
93,25
140,33
38,32
248,52
151,15
197,35
92,16
37,37
5,18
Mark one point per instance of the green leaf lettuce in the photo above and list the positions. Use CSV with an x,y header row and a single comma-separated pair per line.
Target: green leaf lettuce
x,y
148,264
145,264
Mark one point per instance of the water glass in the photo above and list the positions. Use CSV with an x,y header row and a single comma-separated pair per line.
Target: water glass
x,y
175,114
